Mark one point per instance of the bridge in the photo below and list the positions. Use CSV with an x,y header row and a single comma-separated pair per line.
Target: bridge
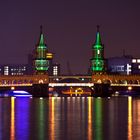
x,y
88,85
98,78
38,83
45,79
97,82
25,79
60,78
116,79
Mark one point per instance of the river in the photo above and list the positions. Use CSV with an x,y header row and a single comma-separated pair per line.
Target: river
x,y
70,118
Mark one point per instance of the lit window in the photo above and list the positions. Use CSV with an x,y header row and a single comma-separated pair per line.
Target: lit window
x,y
6,67
139,67
98,51
133,60
138,60
128,69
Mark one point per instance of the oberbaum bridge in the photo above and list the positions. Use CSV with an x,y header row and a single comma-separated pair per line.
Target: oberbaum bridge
x,y
99,82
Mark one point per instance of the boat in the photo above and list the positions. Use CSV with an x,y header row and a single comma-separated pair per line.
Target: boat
x,y
16,93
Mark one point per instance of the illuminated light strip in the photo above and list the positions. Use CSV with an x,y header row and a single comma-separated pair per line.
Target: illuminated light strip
x,y
8,85
20,92
135,85
70,84
22,95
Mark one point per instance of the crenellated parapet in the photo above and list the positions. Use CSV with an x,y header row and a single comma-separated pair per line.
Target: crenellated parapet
x,y
24,79
116,79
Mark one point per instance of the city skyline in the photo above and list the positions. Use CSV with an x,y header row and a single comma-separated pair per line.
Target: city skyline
x,y
69,29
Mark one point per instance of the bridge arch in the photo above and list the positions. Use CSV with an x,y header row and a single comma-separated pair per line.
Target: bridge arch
x,y
70,80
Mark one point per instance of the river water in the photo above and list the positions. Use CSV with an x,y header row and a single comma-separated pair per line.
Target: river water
x,y
71,118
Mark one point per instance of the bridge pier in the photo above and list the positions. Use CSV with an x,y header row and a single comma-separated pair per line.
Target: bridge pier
x,y
101,90
37,90
40,90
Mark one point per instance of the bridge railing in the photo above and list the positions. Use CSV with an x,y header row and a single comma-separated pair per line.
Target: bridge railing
x,y
132,85
14,85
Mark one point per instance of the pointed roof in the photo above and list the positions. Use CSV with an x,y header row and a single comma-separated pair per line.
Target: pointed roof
x,y
41,38
98,37
98,44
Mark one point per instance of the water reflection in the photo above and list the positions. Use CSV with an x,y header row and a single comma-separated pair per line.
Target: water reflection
x,y
136,119
70,118
51,117
5,118
129,118
98,119
22,115
39,119
12,136
90,117
40,114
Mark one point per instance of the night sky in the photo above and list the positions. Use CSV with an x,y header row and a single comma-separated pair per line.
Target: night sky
x,y
69,27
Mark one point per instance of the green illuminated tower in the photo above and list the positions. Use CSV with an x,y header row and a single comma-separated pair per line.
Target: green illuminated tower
x,y
41,63
97,61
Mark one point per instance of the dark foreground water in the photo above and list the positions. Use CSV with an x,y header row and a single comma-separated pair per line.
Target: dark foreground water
x,y
72,118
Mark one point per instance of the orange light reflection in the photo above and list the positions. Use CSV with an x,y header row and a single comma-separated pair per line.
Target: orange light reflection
x,y
89,119
129,118
52,117
12,136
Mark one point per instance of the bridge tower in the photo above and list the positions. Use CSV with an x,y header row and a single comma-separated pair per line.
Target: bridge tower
x,y
101,89
97,61
41,62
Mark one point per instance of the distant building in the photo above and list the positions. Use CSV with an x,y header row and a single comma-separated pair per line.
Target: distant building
x,y
26,69
124,65
55,69
120,65
14,69
136,66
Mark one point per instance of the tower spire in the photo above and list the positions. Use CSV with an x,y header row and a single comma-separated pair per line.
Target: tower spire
x,y
97,61
41,38
41,63
98,36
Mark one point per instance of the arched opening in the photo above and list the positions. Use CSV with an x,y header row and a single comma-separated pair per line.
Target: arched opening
x,y
70,80
40,81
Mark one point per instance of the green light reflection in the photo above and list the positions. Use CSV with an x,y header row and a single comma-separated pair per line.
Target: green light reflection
x,y
41,124
98,120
